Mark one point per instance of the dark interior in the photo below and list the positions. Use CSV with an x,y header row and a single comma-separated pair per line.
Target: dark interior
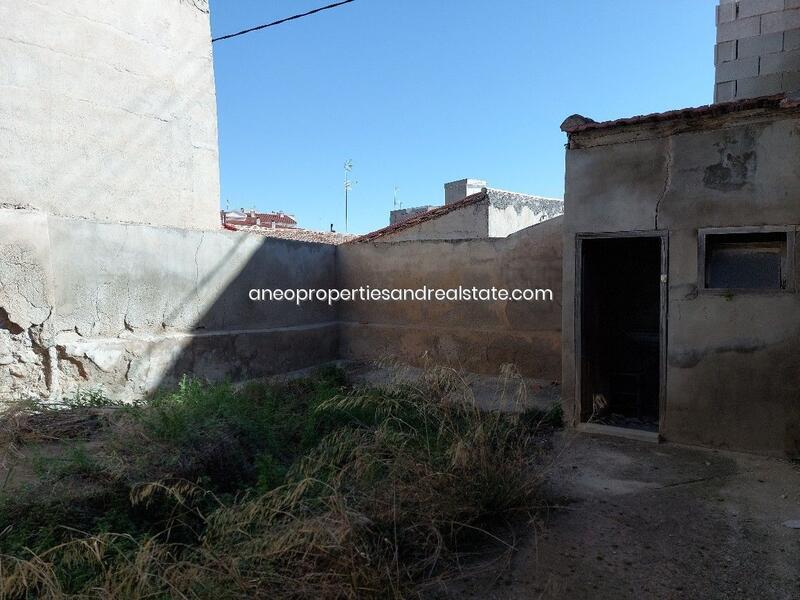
x,y
754,261
620,325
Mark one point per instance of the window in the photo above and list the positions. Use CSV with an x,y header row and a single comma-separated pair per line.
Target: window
x,y
746,260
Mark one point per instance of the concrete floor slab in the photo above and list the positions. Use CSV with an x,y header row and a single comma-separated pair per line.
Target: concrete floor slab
x,y
639,520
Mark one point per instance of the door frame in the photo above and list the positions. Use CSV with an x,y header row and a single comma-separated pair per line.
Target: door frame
x,y
663,237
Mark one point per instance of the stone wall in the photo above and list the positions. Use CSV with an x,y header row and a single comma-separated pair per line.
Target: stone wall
x,y
108,110
130,308
733,360
476,336
758,48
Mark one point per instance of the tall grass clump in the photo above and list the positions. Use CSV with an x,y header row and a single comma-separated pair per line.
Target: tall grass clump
x,y
373,493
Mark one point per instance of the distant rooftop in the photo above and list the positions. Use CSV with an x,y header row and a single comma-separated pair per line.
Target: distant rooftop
x,y
297,234
260,219
550,207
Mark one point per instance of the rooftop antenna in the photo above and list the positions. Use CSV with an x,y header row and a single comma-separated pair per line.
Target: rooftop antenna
x,y
348,167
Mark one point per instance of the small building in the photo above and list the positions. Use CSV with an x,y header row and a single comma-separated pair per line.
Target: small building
x,y
471,210
681,312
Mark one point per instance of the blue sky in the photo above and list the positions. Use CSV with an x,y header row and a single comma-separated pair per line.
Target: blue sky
x,y
420,92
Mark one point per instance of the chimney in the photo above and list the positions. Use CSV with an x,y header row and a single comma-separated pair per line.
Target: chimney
x,y
458,190
758,49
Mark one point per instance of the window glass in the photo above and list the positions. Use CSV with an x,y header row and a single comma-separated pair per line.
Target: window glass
x,y
746,261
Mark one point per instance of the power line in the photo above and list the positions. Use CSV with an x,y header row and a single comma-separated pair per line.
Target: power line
x,y
292,18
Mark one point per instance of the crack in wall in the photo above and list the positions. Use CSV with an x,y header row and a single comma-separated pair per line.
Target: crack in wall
x,y
667,182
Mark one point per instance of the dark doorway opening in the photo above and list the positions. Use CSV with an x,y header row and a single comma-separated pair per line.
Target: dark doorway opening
x,y
620,331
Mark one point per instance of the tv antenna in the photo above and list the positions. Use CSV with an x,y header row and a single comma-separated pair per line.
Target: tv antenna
x,y
348,185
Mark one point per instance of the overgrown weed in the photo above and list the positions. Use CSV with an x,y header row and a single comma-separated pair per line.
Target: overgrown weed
x,y
309,489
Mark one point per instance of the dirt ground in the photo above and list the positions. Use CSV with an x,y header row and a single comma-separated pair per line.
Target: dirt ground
x,y
643,520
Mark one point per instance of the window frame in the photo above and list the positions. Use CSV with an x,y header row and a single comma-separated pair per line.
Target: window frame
x,y
703,233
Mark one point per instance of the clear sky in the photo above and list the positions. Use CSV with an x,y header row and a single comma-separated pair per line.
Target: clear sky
x,y
420,92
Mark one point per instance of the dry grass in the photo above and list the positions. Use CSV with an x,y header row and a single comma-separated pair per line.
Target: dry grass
x,y
410,486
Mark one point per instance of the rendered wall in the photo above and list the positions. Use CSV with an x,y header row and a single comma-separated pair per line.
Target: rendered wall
x,y
469,222
108,110
505,219
130,308
733,361
476,336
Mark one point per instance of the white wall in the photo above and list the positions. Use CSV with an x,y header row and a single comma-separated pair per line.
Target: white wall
x,y
108,110
503,221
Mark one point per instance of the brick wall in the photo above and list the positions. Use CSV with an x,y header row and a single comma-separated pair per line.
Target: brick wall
x,y
758,48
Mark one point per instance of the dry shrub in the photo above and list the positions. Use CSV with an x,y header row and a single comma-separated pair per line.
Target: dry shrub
x,y
410,483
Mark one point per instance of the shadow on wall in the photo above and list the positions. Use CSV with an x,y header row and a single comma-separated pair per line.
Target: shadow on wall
x,y
478,337
148,304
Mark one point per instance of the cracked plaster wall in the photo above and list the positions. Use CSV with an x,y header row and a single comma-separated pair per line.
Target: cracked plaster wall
x,y
129,308
733,360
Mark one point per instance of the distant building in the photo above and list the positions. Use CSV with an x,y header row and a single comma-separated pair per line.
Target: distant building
x,y
471,210
401,214
270,220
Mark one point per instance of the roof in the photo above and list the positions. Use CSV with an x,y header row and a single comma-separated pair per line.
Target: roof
x,y
550,207
250,218
300,235
579,124
423,217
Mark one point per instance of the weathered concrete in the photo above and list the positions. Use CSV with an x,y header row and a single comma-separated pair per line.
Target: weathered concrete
x,y
637,520
733,360
132,307
476,336
108,110
509,212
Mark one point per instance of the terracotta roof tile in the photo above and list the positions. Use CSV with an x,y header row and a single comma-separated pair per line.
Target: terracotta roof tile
x,y
422,217
578,123
300,235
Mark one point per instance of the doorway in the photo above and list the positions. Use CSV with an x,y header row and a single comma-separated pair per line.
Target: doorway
x,y
620,329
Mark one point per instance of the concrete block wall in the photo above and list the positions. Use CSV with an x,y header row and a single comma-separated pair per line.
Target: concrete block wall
x,y
758,48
